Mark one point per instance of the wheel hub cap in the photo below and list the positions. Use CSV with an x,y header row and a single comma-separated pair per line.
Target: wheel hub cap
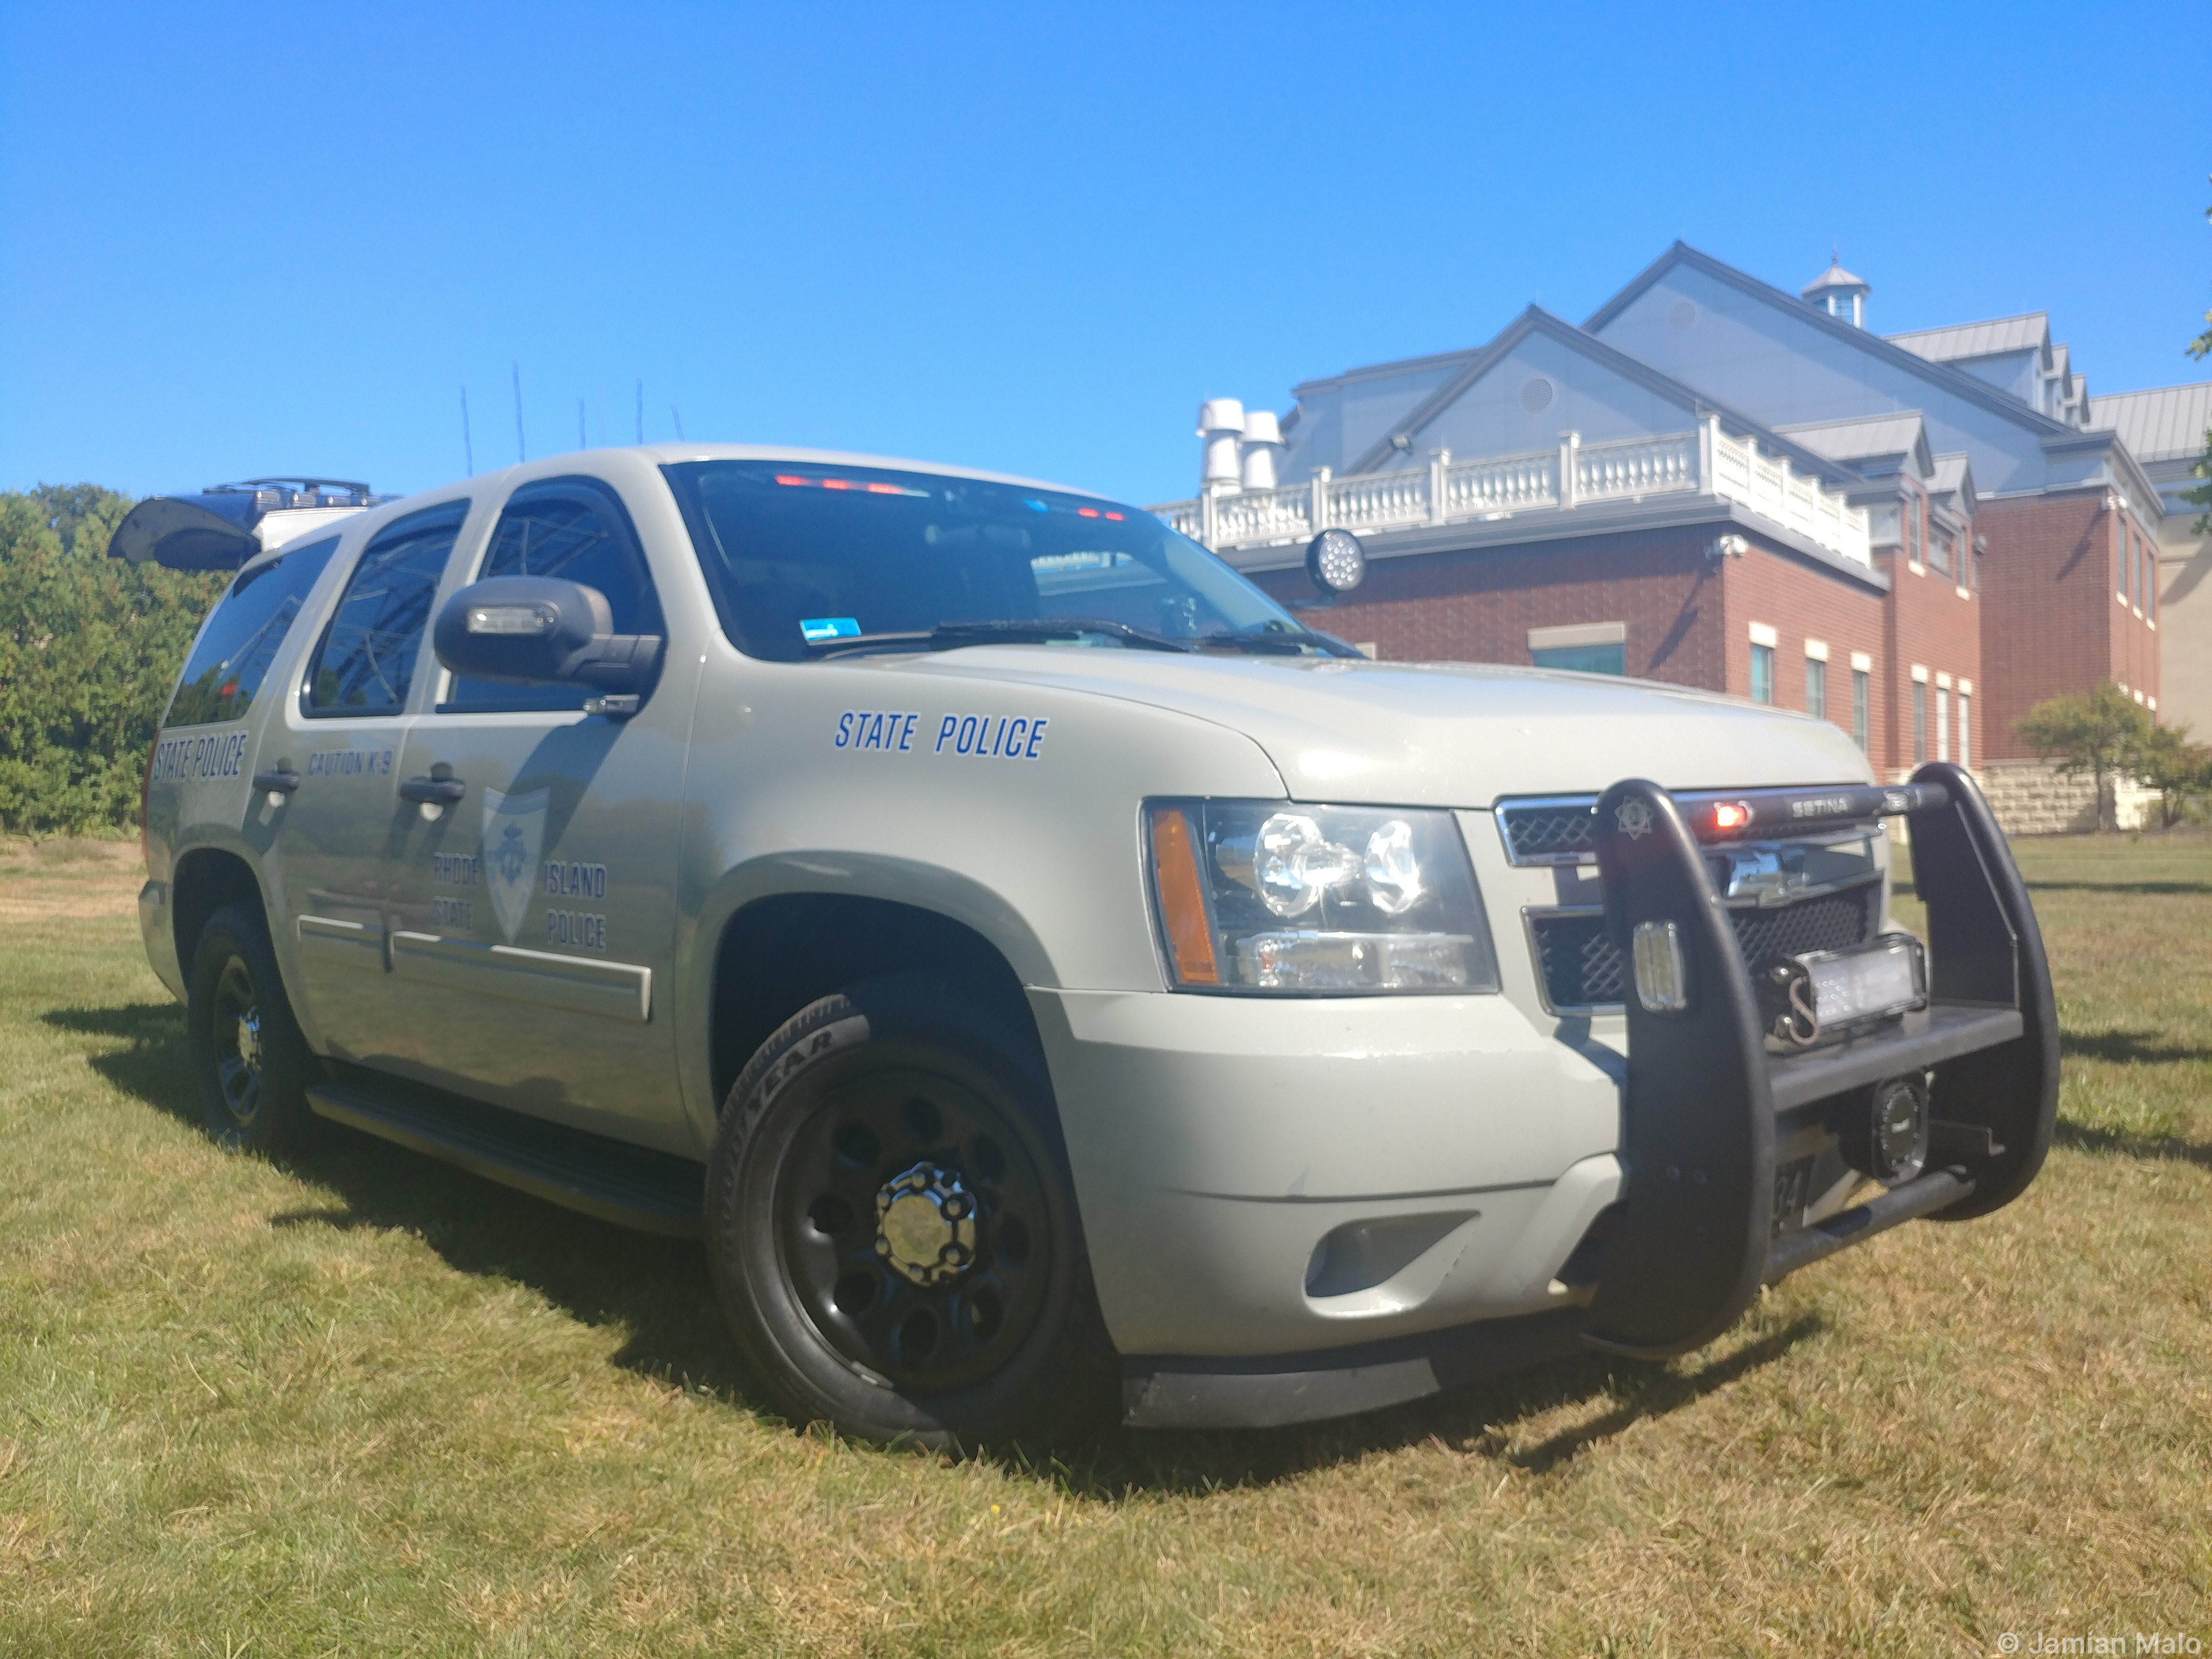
x,y
926,1225
249,1039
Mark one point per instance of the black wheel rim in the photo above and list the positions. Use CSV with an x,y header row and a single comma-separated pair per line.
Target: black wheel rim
x,y
866,1136
234,1039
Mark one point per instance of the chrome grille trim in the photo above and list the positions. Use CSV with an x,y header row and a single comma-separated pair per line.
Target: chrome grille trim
x,y
1548,830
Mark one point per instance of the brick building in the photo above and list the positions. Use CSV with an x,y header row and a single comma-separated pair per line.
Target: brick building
x,y
1715,482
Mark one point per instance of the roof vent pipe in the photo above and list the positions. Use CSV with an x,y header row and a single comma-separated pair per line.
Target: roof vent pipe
x,y
1263,442
1221,424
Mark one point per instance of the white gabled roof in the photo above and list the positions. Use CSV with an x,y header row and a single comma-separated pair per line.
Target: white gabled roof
x,y
1834,277
1954,476
2028,332
2165,423
1862,439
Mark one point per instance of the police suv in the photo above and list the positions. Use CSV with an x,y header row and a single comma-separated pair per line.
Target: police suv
x,y
1047,975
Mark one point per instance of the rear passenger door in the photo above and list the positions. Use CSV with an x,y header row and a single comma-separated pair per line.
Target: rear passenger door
x,y
534,915
343,738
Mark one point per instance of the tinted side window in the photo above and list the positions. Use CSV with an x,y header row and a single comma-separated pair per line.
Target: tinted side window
x,y
366,660
578,531
232,656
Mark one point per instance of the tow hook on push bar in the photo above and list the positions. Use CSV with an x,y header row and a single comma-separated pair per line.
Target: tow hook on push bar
x,y
1968,1078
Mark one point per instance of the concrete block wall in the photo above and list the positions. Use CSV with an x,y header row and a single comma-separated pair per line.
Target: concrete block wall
x,y
2030,798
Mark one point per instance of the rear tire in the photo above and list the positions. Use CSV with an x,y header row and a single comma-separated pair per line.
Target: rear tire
x,y
892,1228
248,1057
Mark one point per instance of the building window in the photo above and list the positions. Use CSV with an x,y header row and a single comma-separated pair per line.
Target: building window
x,y
1919,722
1965,729
1581,647
1914,534
1881,524
1583,658
1862,694
1816,688
1939,549
1942,724
1762,673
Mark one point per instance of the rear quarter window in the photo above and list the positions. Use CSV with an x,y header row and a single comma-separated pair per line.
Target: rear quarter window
x,y
241,637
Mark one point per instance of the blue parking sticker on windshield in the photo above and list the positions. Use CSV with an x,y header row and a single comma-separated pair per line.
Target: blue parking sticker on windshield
x,y
828,628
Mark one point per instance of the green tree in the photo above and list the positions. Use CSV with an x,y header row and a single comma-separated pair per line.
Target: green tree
x,y
2098,733
2181,771
89,649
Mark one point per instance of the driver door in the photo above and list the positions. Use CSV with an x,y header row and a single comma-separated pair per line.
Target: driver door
x,y
533,938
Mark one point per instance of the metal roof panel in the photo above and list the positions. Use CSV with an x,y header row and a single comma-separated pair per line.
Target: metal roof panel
x,y
2167,422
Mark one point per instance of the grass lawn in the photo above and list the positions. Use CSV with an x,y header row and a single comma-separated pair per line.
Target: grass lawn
x,y
366,1404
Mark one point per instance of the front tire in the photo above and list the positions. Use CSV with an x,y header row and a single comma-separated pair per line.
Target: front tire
x,y
892,1230
248,1057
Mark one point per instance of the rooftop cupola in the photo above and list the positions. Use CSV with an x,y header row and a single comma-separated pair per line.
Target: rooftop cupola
x,y
1839,292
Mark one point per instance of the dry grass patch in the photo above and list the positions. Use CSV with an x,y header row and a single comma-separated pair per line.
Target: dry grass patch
x,y
363,1403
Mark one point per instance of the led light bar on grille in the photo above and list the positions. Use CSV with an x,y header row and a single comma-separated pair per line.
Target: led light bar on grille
x,y
1562,828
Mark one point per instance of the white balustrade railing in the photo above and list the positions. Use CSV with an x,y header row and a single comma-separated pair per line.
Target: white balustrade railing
x,y
1448,491
1257,517
1381,501
1768,484
1510,483
1185,519
1628,472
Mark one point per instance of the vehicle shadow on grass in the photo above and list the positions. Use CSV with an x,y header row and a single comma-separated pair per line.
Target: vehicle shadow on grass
x,y
1477,1420
2127,1047
2146,889
2087,1138
657,1292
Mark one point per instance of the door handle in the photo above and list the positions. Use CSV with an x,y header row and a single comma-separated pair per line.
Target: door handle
x,y
434,792
281,781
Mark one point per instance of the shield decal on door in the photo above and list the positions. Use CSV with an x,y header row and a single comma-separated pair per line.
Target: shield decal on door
x,y
513,836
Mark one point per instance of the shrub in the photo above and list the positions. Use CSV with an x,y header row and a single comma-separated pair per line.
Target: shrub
x,y
88,648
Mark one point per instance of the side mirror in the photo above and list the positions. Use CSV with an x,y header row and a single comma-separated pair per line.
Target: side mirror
x,y
538,631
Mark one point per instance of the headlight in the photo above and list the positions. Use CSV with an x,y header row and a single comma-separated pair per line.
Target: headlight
x,y
1323,901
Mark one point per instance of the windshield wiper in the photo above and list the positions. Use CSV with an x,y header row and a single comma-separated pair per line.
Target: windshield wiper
x,y
951,636
1268,644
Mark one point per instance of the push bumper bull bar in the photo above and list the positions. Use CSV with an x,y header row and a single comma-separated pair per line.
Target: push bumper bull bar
x,y
1696,1235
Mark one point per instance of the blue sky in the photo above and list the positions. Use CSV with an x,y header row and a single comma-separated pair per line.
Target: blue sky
x,y
262,240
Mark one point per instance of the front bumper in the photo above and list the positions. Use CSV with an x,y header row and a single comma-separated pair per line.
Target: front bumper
x,y
1710,1117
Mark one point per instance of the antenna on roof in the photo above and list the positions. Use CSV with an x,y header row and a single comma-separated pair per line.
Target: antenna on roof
x,y
521,454
468,445
678,419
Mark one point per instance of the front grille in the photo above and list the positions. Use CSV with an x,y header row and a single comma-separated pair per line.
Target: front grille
x,y
1582,968
1551,831
1828,923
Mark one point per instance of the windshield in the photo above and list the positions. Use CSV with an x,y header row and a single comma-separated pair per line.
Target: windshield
x,y
803,556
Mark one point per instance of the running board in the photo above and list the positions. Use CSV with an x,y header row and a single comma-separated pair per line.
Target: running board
x,y
629,1185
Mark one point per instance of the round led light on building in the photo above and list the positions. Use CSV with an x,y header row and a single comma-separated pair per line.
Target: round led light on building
x,y
1335,562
